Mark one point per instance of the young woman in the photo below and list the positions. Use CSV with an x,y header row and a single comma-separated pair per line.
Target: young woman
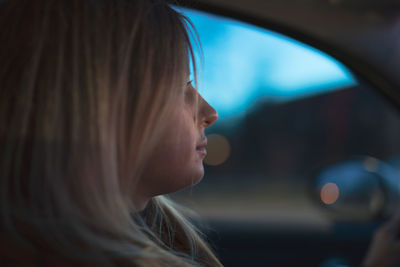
x,y
98,118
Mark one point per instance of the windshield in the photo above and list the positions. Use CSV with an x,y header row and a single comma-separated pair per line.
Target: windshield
x,y
287,112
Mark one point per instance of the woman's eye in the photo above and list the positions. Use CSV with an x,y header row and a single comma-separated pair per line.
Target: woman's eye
x,y
190,94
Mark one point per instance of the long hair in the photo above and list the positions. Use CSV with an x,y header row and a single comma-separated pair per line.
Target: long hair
x,y
85,88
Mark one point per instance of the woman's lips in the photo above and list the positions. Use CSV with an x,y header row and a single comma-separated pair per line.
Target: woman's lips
x,y
201,148
202,152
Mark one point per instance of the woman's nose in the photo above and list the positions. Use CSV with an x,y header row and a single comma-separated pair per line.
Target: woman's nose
x,y
207,114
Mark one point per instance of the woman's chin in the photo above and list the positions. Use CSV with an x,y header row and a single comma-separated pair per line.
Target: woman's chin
x,y
191,179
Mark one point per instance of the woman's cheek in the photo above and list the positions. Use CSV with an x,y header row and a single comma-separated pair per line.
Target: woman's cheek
x,y
173,164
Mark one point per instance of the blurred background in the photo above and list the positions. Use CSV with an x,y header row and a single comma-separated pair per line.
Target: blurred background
x,y
288,115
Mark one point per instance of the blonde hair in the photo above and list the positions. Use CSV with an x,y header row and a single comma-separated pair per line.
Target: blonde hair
x,y
85,89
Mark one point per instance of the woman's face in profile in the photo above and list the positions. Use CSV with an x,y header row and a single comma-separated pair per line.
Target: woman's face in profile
x,y
177,161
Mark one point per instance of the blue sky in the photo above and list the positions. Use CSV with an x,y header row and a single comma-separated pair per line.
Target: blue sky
x,y
244,64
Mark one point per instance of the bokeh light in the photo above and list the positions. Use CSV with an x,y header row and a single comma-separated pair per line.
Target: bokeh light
x,y
218,150
329,193
371,164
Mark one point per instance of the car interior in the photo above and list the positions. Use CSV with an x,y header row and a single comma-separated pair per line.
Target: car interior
x,y
303,164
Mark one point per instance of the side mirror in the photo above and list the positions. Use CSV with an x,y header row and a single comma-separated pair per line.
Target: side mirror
x,y
361,189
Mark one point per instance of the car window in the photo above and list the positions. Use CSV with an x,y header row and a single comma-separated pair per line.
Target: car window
x,y
289,115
